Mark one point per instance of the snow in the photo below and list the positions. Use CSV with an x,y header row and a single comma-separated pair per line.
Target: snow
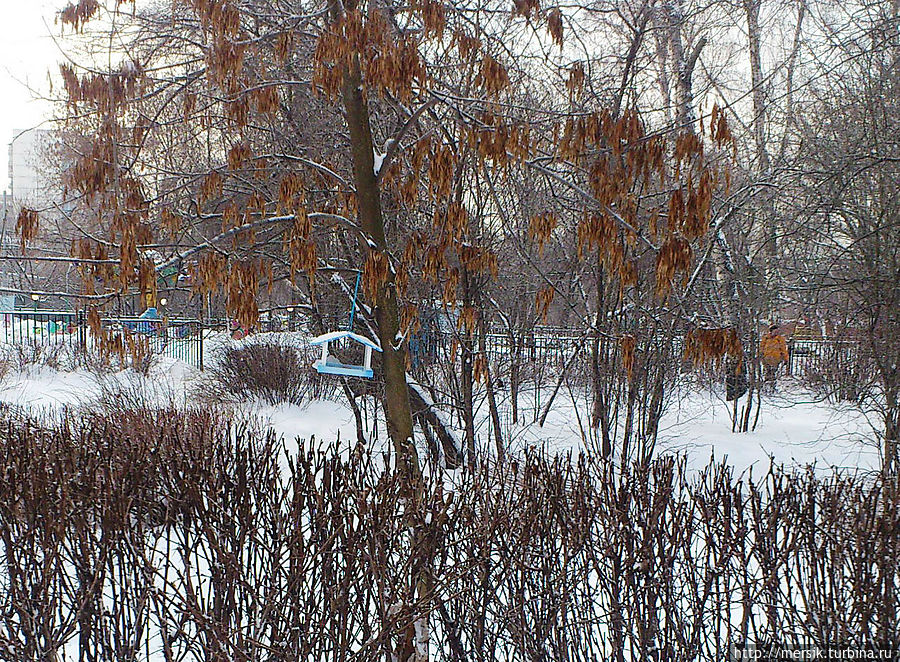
x,y
44,388
429,403
794,428
399,337
379,161
337,335
323,419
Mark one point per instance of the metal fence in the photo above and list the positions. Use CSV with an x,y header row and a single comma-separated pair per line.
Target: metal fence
x,y
183,339
553,346
550,346
807,355
172,338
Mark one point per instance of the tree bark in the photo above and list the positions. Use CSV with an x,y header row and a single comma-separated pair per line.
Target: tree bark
x,y
489,385
396,395
467,351
765,235
425,412
599,412
684,65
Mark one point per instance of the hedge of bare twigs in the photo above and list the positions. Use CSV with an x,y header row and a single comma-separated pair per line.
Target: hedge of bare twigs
x,y
182,538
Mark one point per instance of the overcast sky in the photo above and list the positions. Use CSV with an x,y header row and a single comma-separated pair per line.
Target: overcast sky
x,y
27,52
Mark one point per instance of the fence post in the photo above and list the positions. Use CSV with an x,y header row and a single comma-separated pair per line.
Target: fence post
x,y
82,331
200,340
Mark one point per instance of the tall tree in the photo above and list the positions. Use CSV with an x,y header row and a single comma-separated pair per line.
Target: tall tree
x,y
850,219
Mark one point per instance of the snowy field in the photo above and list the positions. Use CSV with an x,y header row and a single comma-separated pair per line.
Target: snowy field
x,y
795,427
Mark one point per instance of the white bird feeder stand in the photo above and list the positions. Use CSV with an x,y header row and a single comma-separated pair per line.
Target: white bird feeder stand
x,y
328,365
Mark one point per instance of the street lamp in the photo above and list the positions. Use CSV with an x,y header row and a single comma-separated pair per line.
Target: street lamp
x,y
163,301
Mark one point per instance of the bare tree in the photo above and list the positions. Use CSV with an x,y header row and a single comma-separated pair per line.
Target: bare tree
x,y
852,205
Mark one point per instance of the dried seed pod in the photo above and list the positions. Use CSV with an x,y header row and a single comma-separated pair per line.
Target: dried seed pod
x,y
555,26
27,225
705,346
541,227
376,273
628,343
543,300
674,257
492,76
575,82
211,187
238,155
77,14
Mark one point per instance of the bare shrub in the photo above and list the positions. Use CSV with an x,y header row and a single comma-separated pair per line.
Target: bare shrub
x,y
96,362
131,391
178,532
268,369
6,364
22,356
841,372
66,356
120,349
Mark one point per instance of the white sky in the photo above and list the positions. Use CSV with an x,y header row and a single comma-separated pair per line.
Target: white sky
x,y
27,53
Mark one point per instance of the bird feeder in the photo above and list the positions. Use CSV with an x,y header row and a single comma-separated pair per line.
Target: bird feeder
x,y
329,365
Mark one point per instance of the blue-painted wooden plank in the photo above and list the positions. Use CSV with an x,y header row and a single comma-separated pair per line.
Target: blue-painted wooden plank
x,y
341,369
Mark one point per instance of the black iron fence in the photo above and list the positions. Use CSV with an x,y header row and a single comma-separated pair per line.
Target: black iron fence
x,y
183,339
807,355
42,327
550,345
553,346
172,338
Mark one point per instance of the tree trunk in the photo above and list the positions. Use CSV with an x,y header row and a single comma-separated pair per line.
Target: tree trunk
x,y
489,385
684,65
576,350
425,411
599,414
514,375
891,432
396,396
357,415
468,408
662,61
467,352
764,249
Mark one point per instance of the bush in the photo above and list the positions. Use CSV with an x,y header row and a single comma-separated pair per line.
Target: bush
x,y
117,352
22,356
132,391
178,532
267,369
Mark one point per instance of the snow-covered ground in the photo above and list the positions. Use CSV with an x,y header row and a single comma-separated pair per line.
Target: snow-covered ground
x,y
794,427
